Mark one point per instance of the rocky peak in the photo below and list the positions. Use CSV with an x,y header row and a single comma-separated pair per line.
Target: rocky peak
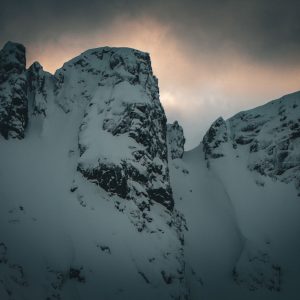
x,y
122,137
36,67
214,137
128,153
270,133
176,140
12,58
79,78
40,88
13,91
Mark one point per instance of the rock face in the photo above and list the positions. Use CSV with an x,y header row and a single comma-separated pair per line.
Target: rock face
x,y
13,91
215,136
250,152
122,138
98,133
270,133
40,88
176,140
22,92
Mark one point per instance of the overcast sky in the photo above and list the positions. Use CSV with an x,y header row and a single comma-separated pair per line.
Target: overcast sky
x,y
212,58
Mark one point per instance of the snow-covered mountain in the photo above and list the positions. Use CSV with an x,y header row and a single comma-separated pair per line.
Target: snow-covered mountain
x,y
98,199
239,193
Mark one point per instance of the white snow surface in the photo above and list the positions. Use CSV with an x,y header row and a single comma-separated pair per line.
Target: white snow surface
x,y
47,229
263,207
62,236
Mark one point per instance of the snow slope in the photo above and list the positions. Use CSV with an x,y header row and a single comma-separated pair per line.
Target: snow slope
x,y
65,236
263,203
242,239
48,229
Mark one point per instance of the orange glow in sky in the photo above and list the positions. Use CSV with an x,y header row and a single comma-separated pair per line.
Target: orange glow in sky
x,y
195,88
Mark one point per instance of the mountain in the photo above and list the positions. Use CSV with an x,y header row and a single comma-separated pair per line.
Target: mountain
x,y
239,193
268,134
99,200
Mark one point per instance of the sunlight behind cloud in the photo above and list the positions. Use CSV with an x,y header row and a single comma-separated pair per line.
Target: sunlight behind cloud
x,y
195,88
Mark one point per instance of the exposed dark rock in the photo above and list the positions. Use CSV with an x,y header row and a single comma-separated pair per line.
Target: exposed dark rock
x,y
162,195
271,133
13,91
214,137
104,248
76,274
166,277
242,140
40,88
176,140
109,176
135,116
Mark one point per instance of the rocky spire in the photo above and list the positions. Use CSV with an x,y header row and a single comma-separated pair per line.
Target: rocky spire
x,y
13,91
176,140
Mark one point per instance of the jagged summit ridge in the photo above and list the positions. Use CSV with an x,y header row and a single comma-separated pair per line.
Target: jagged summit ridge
x,y
84,74
13,91
125,107
40,89
122,134
270,133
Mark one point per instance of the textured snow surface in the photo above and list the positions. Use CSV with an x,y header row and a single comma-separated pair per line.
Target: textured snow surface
x,y
255,155
54,221
80,237
270,134
98,199
122,137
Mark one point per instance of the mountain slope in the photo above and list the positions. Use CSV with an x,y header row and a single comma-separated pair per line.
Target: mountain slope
x,y
269,133
255,156
98,199
80,238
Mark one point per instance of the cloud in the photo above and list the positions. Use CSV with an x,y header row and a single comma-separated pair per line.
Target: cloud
x,y
212,58
264,29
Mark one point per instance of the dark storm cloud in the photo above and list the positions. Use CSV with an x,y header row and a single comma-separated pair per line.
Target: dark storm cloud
x,y
264,30
32,19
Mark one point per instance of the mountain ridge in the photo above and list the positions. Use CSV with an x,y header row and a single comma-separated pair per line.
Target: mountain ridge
x,y
98,192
